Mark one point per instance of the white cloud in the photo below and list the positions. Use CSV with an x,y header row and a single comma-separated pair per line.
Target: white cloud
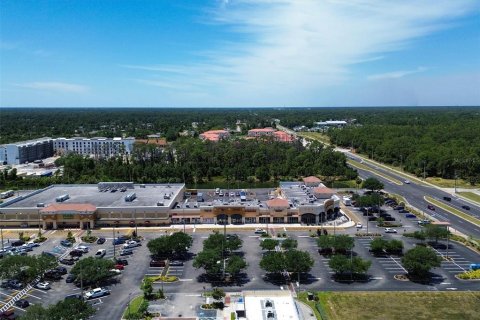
x,y
292,48
396,74
55,87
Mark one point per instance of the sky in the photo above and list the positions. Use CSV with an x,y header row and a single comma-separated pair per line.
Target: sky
x,y
239,53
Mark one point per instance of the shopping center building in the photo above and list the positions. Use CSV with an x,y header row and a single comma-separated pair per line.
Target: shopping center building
x,y
127,204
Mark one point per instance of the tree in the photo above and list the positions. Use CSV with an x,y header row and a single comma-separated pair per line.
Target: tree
x,y
372,184
394,246
180,242
436,232
208,259
235,264
273,262
147,288
298,261
339,263
218,241
268,244
26,268
93,270
419,260
377,245
70,309
289,244
160,247
218,294
359,265
342,243
370,200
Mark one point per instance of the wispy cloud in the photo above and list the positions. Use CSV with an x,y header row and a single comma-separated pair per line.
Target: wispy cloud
x,y
55,87
292,48
396,74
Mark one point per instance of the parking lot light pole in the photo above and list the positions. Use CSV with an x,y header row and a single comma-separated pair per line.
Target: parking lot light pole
x,y
368,219
113,241
1,234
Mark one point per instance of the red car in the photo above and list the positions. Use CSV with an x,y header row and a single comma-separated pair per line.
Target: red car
x,y
119,266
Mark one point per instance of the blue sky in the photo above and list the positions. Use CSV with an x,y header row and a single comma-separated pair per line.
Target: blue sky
x,y
239,53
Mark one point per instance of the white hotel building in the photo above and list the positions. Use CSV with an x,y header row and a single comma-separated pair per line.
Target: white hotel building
x,y
99,146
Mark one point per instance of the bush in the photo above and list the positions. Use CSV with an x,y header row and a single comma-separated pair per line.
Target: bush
x,y
162,278
470,275
89,239
40,239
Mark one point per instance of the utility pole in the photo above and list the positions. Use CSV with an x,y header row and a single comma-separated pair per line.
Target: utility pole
x,y
368,219
113,241
455,181
1,234
447,240
424,164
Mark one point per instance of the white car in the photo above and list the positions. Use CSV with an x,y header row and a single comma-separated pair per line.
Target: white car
x,y
96,293
131,244
84,249
100,253
115,271
390,230
43,285
406,181
359,225
260,231
232,194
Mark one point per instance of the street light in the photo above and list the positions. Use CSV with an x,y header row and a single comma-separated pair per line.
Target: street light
x,y
368,219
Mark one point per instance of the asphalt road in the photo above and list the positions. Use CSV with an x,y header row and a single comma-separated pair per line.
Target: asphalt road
x,y
414,193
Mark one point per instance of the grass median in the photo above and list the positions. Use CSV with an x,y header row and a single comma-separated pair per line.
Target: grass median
x,y
400,305
470,195
367,168
453,210
133,307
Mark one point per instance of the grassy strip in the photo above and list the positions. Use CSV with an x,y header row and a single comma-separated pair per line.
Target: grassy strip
x,y
470,195
315,136
392,305
453,210
302,296
364,167
133,307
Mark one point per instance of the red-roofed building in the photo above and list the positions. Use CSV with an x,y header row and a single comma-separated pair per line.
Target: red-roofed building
x,y
61,213
283,136
323,192
312,181
278,203
261,132
215,135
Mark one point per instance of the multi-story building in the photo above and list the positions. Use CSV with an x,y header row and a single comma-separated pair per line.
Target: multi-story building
x,y
261,132
271,132
215,135
26,151
99,146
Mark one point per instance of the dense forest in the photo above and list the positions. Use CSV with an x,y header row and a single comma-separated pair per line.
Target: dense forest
x,y
444,141
194,162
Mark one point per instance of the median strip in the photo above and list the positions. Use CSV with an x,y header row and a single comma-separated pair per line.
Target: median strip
x,y
366,168
452,210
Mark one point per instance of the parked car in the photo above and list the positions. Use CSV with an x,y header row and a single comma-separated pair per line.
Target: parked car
x,y
84,249
22,303
423,222
96,293
119,266
115,271
260,231
52,275
15,284
475,266
447,198
66,243
431,207
157,263
43,285
8,315
18,243
359,225
399,208
61,270
76,253
131,244
68,262
126,252
390,230
175,263
403,211
118,241
26,247
100,253
410,215
74,296
466,207
123,262
70,278
101,240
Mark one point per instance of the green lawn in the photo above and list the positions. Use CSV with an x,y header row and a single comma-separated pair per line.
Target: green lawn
x,y
470,195
401,305
315,136
367,168
453,210
134,305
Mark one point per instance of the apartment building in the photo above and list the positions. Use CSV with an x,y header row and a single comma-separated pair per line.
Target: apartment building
x,y
26,151
99,146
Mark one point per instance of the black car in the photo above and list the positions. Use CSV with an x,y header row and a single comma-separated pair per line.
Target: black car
x,y
466,207
74,296
447,198
15,284
61,270
123,262
68,262
101,240
70,278
76,253
175,263
18,243
52,275
22,303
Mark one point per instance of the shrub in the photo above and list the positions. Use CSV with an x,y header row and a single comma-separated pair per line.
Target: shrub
x,y
89,239
162,278
470,275
40,239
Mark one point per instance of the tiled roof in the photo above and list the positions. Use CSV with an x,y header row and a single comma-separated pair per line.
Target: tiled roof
x,y
80,207
262,130
277,202
323,190
312,179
